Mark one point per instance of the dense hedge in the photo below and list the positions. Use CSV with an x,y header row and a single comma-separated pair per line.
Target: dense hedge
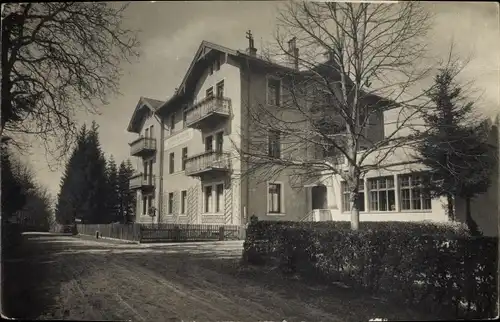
x,y
439,266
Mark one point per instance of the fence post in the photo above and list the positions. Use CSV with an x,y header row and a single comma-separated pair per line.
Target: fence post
x,y
221,233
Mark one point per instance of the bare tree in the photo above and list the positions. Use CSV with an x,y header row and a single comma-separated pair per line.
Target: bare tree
x,y
58,58
330,119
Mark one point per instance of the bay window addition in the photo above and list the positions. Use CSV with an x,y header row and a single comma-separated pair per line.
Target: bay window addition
x,y
382,194
208,199
273,92
274,198
170,203
413,196
274,144
346,198
183,202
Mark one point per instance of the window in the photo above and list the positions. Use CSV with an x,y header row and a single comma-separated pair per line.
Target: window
x,y
184,157
412,195
220,89
145,167
183,201
171,203
150,203
150,174
209,143
382,195
171,165
172,122
144,206
151,133
273,92
274,198
211,71
210,92
219,140
208,199
146,133
346,200
274,144
220,197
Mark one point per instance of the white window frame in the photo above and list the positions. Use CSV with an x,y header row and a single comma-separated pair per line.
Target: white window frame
x,y
170,204
181,206
410,188
280,89
183,159
343,192
279,144
282,199
171,163
369,190
223,82
214,198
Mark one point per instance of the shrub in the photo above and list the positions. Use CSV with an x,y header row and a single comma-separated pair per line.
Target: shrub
x,y
440,266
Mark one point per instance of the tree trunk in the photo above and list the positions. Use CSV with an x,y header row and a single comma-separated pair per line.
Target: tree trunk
x,y
471,223
451,211
354,196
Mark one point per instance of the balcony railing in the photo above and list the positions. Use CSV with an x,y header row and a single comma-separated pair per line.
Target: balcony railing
x,y
142,181
206,162
208,111
142,146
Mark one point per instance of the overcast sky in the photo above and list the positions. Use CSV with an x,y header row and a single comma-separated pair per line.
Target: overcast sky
x,y
172,31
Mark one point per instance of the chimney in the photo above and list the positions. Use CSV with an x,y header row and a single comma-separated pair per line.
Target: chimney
x,y
251,50
293,53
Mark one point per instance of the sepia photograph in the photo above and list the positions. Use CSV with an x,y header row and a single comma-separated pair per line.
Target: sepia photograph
x,y
188,161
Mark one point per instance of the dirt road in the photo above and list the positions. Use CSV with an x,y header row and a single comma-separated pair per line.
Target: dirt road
x,y
64,277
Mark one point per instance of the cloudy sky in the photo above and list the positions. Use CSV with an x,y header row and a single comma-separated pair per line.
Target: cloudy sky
x,y
172,31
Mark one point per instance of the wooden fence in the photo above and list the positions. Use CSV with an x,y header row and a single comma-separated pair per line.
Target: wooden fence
x,y
150,233
129,232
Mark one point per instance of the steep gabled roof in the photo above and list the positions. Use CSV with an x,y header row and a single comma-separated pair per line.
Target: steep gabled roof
x,y
144,104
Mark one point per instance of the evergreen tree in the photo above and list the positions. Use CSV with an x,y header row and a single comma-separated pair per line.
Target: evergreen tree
x,y
70,197
455,149
84,188
13,193
95,204
113,200
126,196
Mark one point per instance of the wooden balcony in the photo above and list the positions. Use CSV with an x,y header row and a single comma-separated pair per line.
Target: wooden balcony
x,y
141,181
207,162
143,147
208,113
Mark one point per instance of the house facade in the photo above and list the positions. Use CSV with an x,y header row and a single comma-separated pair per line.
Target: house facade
x,y
189,169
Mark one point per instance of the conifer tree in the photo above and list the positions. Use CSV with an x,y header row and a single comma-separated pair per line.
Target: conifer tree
x,y
456,149
113,190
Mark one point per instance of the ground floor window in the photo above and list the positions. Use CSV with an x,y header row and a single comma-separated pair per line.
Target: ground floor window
x,y
274,198
183,201
411,193
213,198
346,198
171,203
144,205
382,194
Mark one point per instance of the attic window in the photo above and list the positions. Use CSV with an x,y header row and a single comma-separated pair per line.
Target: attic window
x,y
217,64
211,69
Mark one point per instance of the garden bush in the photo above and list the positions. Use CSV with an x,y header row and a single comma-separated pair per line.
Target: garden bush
x,y
439,266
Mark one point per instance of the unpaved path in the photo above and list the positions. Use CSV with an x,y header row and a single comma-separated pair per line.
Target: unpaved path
x,y
84,279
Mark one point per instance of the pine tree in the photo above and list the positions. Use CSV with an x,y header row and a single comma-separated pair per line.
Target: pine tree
x,y
113,202
84,186
70,198
127,197
455,149
13,194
